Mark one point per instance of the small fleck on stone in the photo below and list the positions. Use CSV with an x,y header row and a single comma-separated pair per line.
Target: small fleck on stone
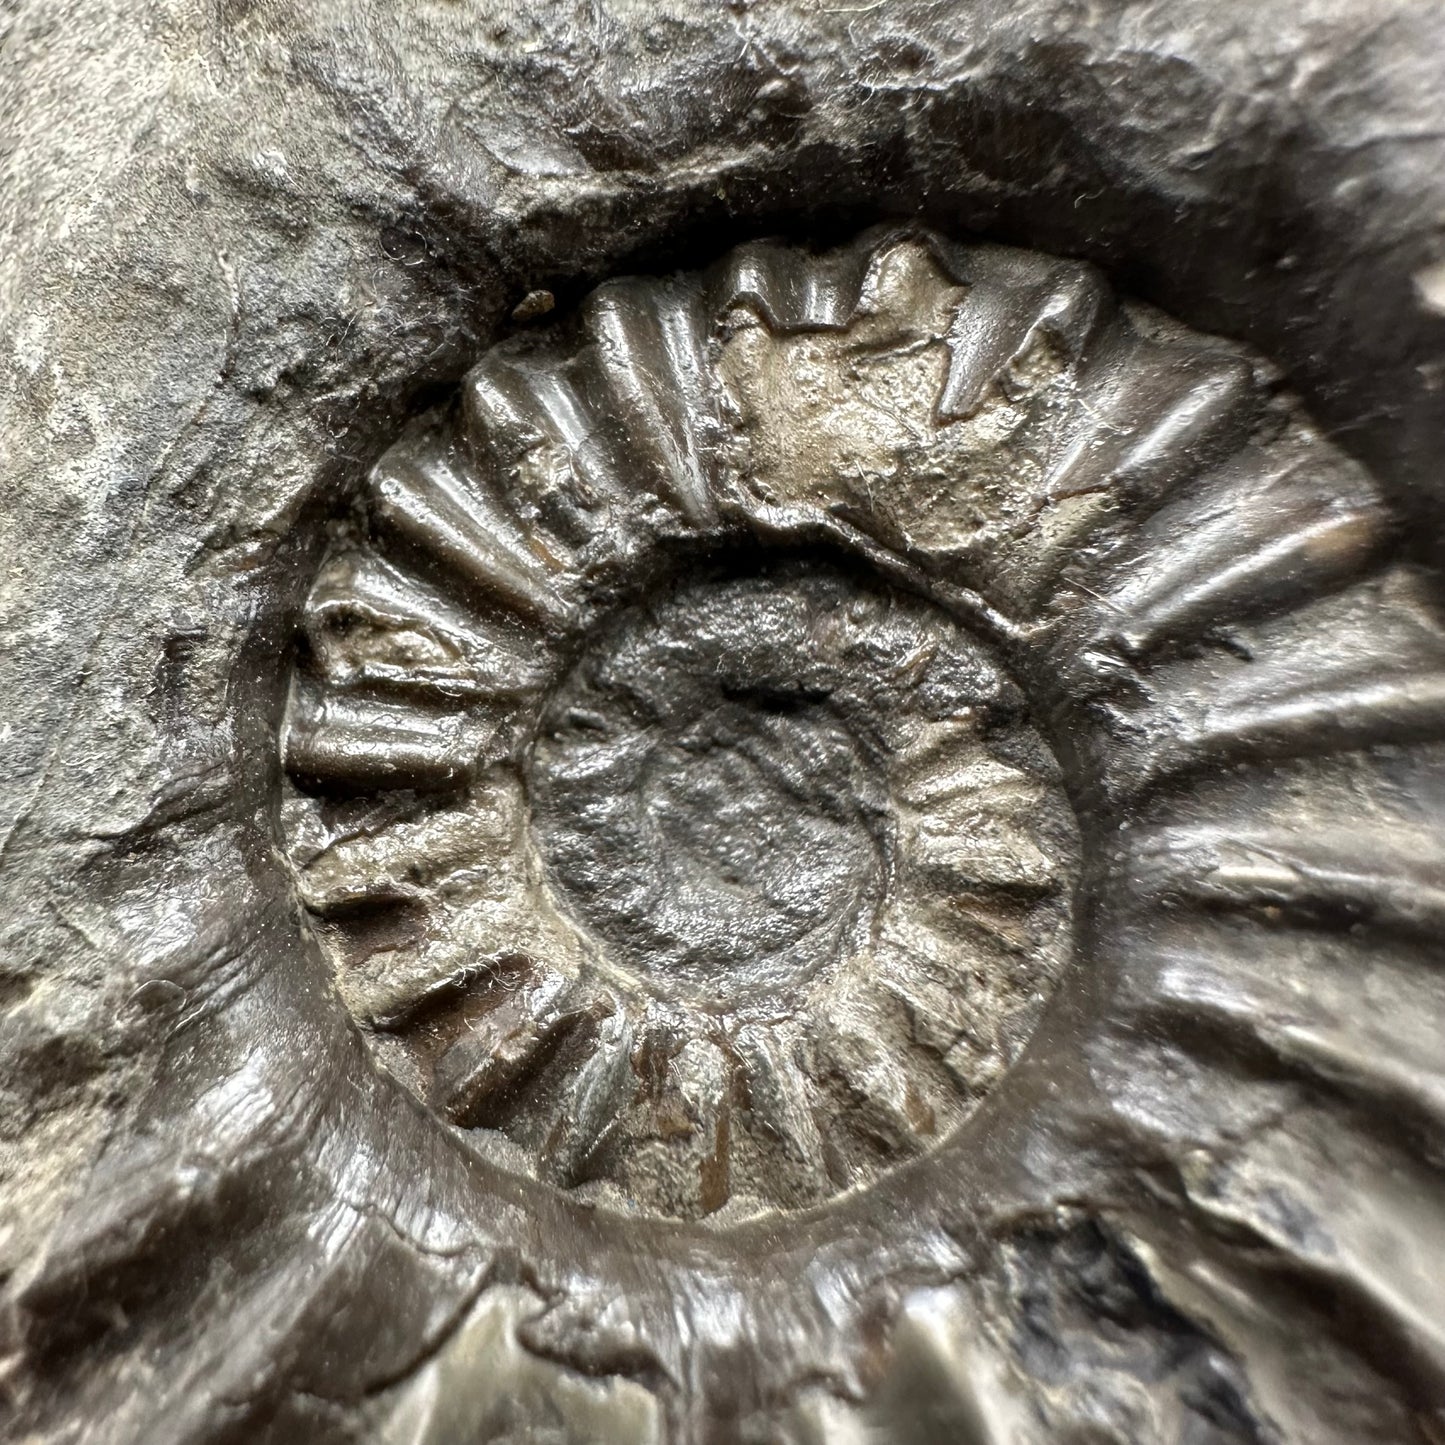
x,y
533,305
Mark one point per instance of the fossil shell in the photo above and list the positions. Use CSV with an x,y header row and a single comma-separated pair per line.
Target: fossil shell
x,y
901,792
752,874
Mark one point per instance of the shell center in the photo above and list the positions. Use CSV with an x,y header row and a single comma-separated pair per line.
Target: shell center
x,y
705,805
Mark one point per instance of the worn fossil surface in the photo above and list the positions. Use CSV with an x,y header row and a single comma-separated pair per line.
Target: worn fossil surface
x,y
722,723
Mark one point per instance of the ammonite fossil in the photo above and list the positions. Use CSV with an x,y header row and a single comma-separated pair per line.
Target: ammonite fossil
x,y
839,755
867,828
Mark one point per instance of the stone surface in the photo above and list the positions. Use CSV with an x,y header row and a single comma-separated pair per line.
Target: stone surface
x,y
247,246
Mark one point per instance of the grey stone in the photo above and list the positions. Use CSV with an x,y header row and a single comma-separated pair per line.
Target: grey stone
x,y
1182,1183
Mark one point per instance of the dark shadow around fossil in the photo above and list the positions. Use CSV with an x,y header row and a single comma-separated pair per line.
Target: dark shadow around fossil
x,y
703,746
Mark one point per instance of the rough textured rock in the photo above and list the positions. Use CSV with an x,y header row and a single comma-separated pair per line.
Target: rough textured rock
x,y
244,244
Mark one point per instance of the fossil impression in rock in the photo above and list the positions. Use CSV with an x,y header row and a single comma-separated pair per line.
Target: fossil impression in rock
x,y
794,739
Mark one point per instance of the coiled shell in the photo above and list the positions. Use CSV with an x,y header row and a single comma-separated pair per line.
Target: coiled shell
x,y
1193,722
